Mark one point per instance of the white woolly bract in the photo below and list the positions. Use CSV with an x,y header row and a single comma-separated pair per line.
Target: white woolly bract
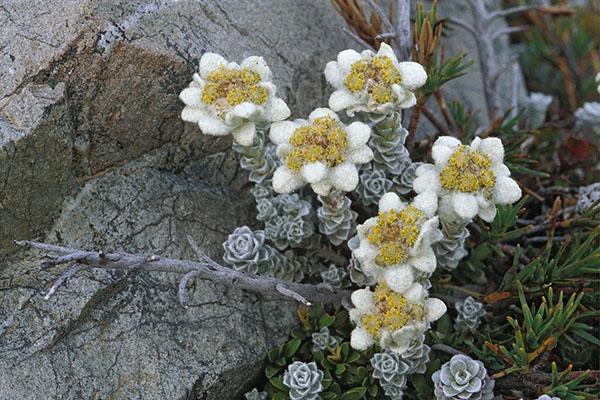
x,y
412,74
397,341
464,206
219,118
321,177
420,257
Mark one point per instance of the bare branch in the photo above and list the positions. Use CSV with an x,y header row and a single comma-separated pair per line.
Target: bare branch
x,y
544,8
382,15
403,29
462,24
183,283
385,35
508,30
514,96
357,39
62,279
287,292
209,270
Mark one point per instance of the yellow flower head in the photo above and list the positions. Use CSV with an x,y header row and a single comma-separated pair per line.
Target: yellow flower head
x,y
323,140
234,86
392,312
395,234
467,171
376,75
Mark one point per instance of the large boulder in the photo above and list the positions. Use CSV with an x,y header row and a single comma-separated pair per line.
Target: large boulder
x,y
93,154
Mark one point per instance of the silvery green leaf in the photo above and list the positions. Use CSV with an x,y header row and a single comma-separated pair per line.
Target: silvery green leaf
x,y
463,378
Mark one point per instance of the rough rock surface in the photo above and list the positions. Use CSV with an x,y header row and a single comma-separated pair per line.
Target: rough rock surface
x,y
93,154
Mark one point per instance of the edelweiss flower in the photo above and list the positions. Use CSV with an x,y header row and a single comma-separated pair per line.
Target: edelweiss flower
x,y
321,151
373,82
392,319
225,98
398,240
469,180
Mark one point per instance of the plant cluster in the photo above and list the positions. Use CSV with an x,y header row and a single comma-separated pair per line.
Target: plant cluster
x,y
437,278
519,274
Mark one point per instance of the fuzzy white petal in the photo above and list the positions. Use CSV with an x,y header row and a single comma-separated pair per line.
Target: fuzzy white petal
x,y
493,148
413,74
245,134
487,213
404,98
314,172
425,168
363,300
465,205
281,132
322,112
386,51
334,76
190,114
209,62
390,201
426,202
399,279
506,190
434,309
258,65
191,96
427,181
449,141
441,154
283,150
355,315
286,181
361,155
425,261
360,339
277,110
344,177
358,134
212,125
500,170
321,188
347,57
245,110
341,99
429,233
416,293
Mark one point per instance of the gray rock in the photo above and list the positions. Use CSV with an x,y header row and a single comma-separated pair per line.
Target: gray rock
x,y
93,154
116,335
100,79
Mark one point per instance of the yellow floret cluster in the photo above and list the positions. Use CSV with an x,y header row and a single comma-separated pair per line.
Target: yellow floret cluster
x,y
395,234
468,171
392,312
377,75
234,86
324,140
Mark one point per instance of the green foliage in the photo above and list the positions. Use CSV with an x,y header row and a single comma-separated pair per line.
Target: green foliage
x,y
565,387
347,372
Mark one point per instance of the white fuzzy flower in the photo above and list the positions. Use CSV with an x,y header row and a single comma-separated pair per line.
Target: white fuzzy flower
x,y
225,98
468,180
398,241
392,319
597,79
373,82
321,151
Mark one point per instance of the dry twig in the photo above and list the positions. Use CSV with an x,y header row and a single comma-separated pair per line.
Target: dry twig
x,y
207,269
